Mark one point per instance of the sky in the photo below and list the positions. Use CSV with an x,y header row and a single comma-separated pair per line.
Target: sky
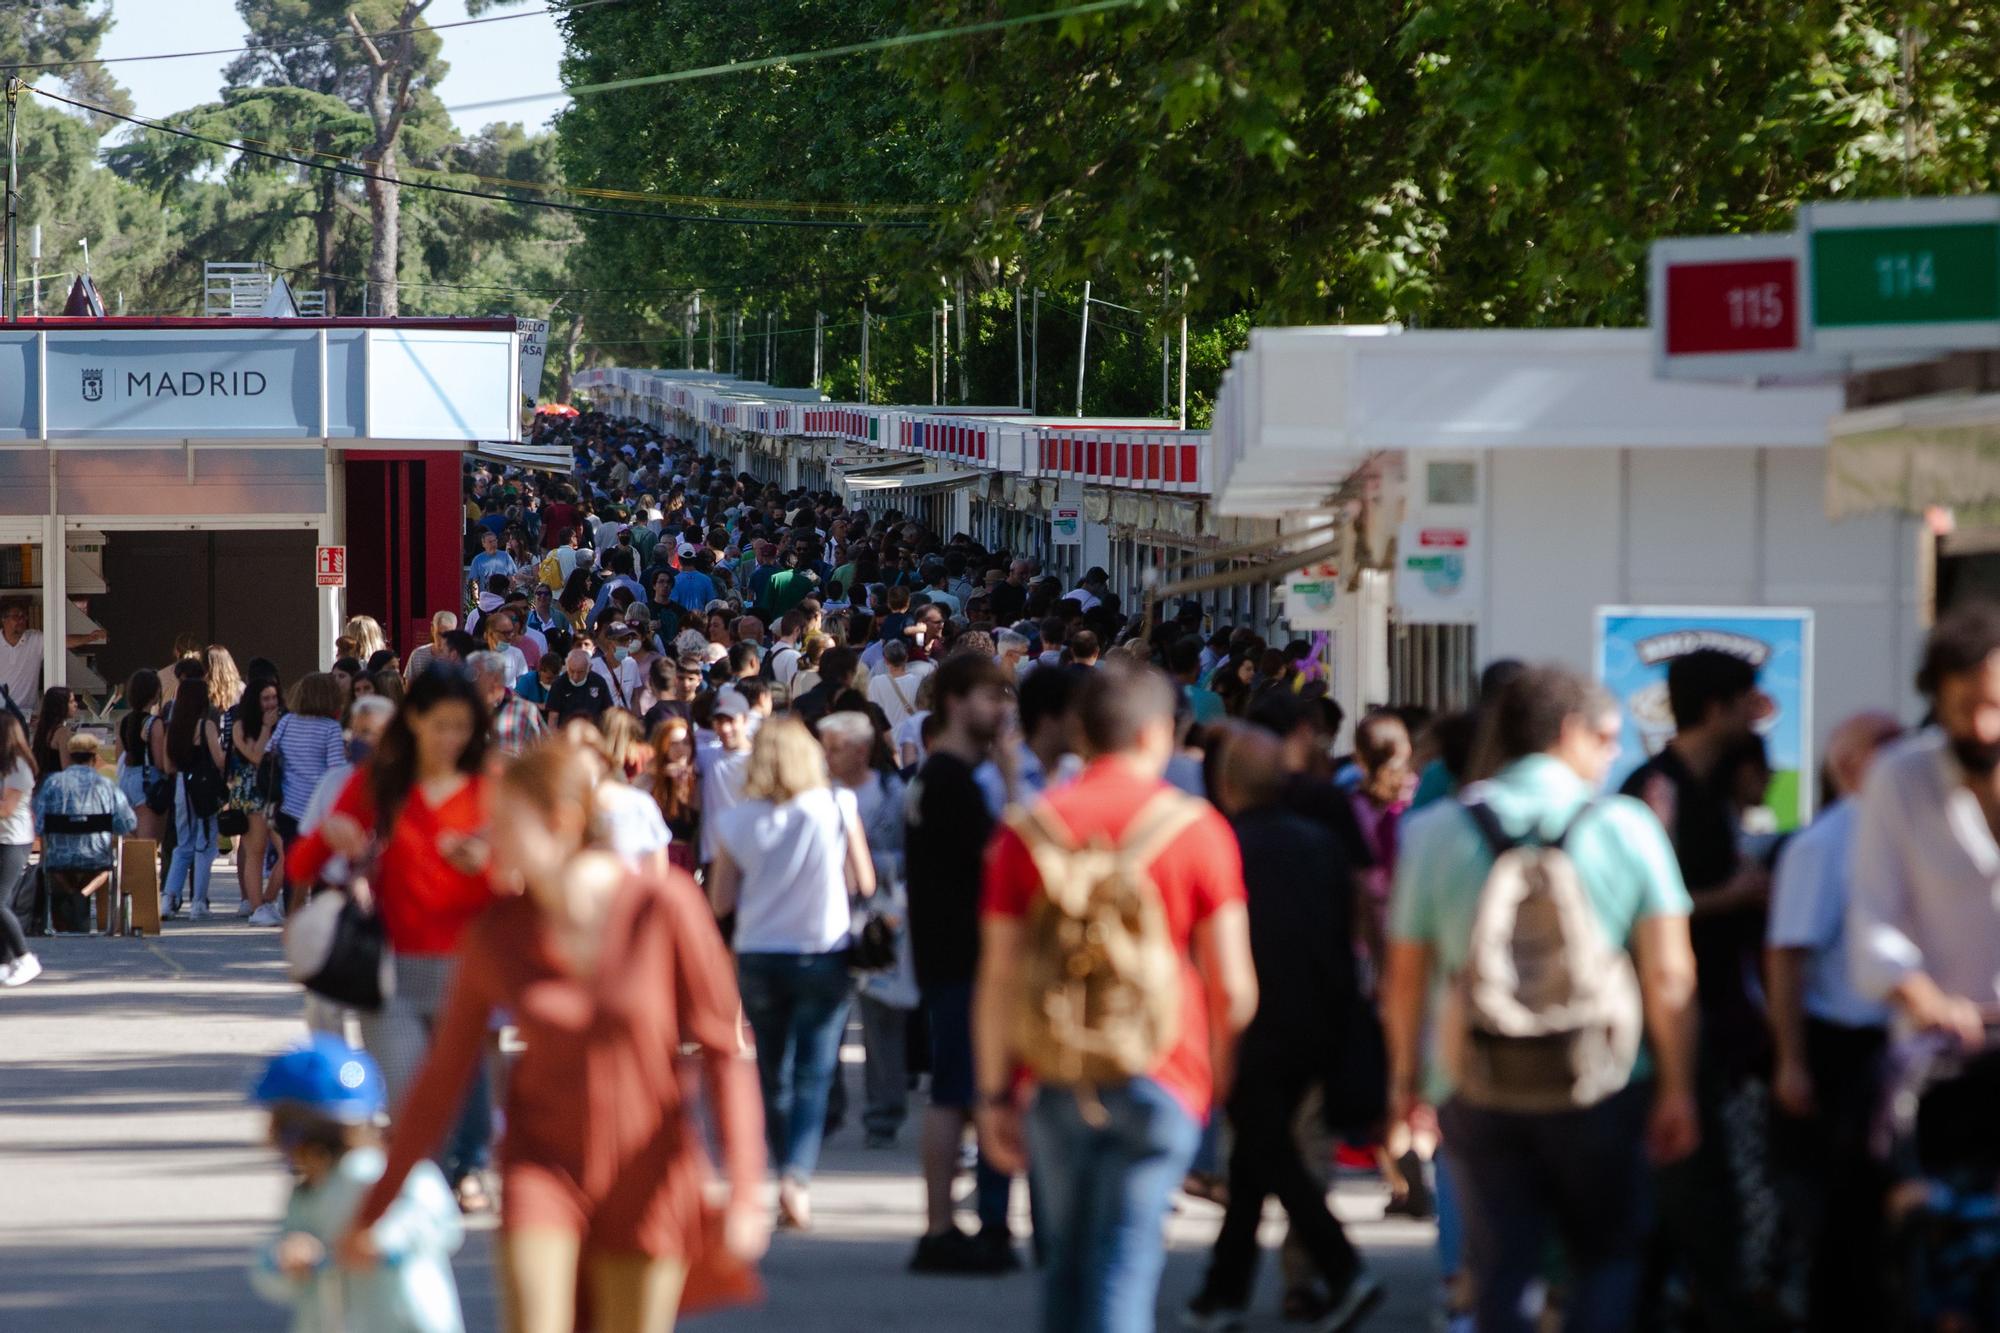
x,y
506,59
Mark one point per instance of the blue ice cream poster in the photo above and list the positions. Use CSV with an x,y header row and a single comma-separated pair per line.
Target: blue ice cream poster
x,y
1636,643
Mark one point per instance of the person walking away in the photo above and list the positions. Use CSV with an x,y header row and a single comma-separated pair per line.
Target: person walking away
x,y
945,839
251,725
1830,1040
886,997
324,1099
194,749
139,777
18,966
1539,1143
1301,941
1718,1210
308,742
1106,1146
787,861
894,690
416,812
1923,921
607,974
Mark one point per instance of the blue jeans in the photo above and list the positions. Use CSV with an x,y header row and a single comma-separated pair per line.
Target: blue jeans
x,y
796,1004
1101,1196
1582,1175
194,850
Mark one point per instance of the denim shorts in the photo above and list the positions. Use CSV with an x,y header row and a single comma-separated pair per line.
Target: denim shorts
x,y
950,1009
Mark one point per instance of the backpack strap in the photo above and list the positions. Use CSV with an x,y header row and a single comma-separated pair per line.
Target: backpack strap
x,y
1165,816
1488,824
1562,839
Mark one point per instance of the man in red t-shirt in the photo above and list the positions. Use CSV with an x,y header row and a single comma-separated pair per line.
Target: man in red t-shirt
x,y
1101,1189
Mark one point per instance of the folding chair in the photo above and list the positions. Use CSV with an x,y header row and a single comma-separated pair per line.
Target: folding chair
x,y
61,887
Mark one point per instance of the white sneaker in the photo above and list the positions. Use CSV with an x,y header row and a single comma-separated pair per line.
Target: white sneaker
x,y
243,907
199,912
267,915
26,968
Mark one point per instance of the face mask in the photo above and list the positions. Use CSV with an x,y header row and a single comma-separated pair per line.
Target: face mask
x,y
358,751
622,653
1976,757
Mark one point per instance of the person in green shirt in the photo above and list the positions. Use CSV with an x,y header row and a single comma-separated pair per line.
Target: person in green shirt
x,y
1577,1174
790,585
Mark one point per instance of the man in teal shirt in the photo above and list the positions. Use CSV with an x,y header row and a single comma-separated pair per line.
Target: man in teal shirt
x,y
1581,1173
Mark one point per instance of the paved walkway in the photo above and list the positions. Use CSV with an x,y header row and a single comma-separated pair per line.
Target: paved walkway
x,y
135,1182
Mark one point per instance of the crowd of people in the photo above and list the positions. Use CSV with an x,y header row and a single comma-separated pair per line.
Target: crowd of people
x,y
702,765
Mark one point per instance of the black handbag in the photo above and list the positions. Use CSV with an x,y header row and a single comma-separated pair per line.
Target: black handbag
x,y
337,948
875,943
206,789
271,772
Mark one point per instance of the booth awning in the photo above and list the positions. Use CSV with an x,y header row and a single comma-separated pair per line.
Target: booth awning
x,y
911,484
1914,454
545,457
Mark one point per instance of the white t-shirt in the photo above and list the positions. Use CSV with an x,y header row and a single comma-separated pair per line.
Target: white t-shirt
x,y
896,695
793,858
517,661
910,732
632,822
721,773
18,829
21,668
625,686
786,660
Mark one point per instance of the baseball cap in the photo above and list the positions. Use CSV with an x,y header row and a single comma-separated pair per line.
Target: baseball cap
x,y
731,703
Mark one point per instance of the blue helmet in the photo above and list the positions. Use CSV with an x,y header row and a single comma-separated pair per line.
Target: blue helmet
x,y
327,1077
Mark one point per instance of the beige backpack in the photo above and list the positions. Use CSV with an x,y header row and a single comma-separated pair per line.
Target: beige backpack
x,y
1100,976
1545,1014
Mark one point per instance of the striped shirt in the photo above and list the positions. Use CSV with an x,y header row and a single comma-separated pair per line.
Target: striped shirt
x,y
310,746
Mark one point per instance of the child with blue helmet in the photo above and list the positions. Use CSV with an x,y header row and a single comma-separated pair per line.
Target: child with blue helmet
x,y
326,1100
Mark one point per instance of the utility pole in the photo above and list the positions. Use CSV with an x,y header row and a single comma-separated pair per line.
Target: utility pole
x,y
1083,347
13,197
1166,345
690,320
711,340
944,341
1021,397
864,351
770,329
1035,365
1183,358
934,397
35,270
819,344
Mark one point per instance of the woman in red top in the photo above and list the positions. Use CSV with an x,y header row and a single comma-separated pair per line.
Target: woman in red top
x,y
606,973
419,802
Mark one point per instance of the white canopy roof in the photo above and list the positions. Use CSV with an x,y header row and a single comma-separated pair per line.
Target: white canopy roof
x,y
1301,408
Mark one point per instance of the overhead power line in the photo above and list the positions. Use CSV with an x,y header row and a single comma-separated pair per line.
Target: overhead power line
x,y
360,174
303,43
803,57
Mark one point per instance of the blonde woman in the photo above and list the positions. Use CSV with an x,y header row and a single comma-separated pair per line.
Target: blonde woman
x,y
225,682
367,634
787,861
812,649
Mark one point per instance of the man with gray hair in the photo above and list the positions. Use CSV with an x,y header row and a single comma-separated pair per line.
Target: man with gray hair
x,y
1011,648
516,725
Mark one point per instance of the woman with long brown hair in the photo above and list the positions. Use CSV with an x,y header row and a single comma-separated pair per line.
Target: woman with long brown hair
x,y
194,749
676,790
51,738
607,974
139,777
251,725
419,807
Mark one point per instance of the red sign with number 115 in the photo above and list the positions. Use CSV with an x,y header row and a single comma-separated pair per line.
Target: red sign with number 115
x,y
1741,306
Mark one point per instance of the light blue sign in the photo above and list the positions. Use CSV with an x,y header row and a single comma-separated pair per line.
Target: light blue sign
x,y
1635,645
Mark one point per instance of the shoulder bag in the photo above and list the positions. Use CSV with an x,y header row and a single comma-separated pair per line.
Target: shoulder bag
x,y
336,946
270,788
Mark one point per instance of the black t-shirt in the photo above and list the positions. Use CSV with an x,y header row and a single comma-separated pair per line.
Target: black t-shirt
x,y
567,699
1328,806
665,709
944,855
1300,896
1727,948
1006,603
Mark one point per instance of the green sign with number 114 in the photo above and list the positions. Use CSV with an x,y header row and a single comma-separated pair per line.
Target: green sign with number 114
x,y
1906,275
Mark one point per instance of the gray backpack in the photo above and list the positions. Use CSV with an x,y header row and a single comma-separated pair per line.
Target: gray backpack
x,y
1545,1014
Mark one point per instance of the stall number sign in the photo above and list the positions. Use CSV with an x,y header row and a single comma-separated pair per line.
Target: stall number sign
x,y
1945,274
1739,306
330,566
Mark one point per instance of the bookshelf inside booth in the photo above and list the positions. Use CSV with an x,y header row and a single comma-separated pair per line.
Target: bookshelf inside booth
x,y
21,577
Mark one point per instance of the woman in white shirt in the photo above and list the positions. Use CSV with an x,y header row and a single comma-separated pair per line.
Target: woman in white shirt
x,y
17,836
786,861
